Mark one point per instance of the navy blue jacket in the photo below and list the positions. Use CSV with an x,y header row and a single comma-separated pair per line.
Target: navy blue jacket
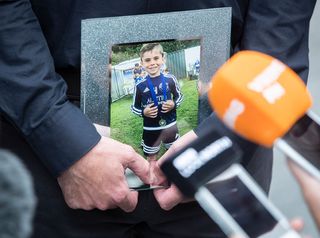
x,y
40,52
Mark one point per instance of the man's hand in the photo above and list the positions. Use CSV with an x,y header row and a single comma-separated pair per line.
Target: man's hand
x,y
310,188
151,111
170,197
297,224
167,106
97,180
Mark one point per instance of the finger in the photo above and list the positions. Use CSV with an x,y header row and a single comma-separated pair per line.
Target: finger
x,y
298,171
165,108
152,173
121,194
165,105
168,198
297,224
140,167
171,151
179,144
154,112
303,178
236,236
149,114
161,179
126,199
169,103
81,202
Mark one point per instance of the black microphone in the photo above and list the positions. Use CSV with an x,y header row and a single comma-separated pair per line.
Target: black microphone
x,y
208,170
204,158
17,198
198,163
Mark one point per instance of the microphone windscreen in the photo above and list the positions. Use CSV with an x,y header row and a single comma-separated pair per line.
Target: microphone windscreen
x,y
258,96
17,199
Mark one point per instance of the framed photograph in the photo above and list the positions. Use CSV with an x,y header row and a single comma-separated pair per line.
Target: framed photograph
x,y
144,78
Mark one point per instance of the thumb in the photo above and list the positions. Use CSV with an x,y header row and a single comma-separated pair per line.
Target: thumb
x,y
297,224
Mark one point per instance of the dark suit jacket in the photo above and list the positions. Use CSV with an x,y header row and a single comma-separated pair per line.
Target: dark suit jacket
x,y
39,38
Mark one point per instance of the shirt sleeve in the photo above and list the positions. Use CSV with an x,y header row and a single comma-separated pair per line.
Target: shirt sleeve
x,y
175,90
33,96
280,29
136,103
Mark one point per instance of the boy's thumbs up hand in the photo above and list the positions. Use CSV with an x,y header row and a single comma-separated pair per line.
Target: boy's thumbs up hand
x,y
167,106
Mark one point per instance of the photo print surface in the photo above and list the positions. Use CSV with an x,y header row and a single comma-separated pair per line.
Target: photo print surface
x,y
154,93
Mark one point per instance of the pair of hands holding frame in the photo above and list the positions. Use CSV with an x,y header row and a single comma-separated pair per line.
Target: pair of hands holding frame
x,y
97,180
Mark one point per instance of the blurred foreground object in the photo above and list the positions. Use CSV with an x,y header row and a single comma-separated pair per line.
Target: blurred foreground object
x,y
17,199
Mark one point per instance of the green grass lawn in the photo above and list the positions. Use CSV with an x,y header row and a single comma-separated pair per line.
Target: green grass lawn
x,y
127,127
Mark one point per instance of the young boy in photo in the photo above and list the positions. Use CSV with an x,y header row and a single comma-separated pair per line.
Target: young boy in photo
x,y
155,99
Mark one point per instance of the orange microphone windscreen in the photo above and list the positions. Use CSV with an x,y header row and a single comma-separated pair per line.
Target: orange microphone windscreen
x,y
258,96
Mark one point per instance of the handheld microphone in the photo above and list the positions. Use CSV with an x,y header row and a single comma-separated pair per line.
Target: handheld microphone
x,y
207,169
266,102
197,164
197,168
202,160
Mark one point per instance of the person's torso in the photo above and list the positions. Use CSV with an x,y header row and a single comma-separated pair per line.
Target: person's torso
x,y
60,21
162,87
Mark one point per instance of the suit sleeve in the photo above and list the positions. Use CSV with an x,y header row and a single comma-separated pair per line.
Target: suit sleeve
x,y
280,29
33,96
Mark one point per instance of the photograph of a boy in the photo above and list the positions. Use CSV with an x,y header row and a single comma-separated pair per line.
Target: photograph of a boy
x,y
156,99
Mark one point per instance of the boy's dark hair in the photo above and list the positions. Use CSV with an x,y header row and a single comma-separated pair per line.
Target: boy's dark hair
x,y
150,46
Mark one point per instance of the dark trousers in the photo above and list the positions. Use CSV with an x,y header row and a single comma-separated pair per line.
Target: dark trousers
x,y
54,219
